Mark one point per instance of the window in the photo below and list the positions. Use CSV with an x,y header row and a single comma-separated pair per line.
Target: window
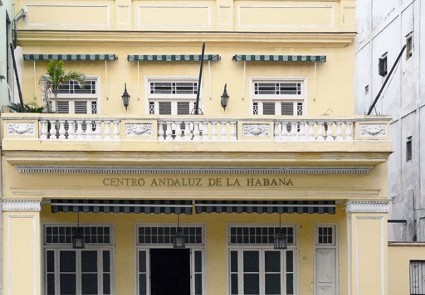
x,y
409,45
278,97
383,65
255,267
172,97
77,271
155,241
73,99
417,278
409,148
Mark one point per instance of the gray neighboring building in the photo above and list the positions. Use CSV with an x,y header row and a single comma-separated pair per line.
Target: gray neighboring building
x,y
384,27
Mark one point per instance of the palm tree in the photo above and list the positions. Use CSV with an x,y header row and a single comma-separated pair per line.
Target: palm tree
x,y
54,78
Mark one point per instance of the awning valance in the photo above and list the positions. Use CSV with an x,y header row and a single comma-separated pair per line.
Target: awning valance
x,y
122,206
281,58
310,207
174,57
69,57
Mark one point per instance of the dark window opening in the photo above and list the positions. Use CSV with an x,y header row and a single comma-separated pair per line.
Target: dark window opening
x,y
409,45
409,148
383,65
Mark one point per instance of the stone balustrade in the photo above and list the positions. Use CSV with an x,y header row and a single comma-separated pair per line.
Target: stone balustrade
x,y
194,128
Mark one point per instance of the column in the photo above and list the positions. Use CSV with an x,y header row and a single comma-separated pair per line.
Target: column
x,y
21,247
367,247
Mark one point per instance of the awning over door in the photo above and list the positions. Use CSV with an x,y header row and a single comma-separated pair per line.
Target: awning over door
x,y
70,57
173,57
310,207
122,206
281,58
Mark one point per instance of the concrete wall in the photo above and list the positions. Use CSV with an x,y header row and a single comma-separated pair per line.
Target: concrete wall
x,y
382,27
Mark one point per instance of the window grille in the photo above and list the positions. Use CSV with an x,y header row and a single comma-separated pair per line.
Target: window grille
x,y
277,88
417,277
164,235
173,88
259,235
72,87
255,108
325,235
94,107
63,234
151,108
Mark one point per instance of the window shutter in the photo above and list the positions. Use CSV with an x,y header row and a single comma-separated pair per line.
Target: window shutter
x,y
164,108
80,107
62,107
269,108
287,108
182,108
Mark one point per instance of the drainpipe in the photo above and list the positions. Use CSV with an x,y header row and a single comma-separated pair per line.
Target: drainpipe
x,y
16,74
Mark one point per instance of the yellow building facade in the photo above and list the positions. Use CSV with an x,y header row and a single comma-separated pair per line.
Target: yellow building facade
x,y
284,162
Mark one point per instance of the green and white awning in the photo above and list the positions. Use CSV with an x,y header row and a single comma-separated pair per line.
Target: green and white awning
x,y
281,58
173,57
69,57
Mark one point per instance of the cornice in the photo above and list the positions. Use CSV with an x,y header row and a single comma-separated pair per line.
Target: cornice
x,y
191,170
368,206
26,37
19,205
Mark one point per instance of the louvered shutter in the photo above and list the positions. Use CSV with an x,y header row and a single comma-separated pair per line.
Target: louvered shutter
x,y
62,107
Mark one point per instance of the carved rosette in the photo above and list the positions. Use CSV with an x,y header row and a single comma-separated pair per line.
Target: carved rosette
x,y
138,129
373,130
21,129
256,129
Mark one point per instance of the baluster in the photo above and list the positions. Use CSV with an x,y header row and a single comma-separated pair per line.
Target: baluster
x,y
196,131
89,131
169,131
329,132
223,136
285,132
43,129
320,131
233,134
80,131
294,131
161,131
214,131
348,130
303,131
277,131
178,131
188,130
116,125
98,130
338,131
107,130
310,133
205,131
71,129
52,130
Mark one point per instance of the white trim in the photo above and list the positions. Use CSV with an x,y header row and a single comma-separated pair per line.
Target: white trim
x,y
19,205
368,206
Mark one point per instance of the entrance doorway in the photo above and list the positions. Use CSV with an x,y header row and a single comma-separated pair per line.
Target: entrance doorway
x,y
170,271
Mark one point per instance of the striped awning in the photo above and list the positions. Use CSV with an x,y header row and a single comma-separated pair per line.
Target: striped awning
x,y
309,207
174,57
281,58
69,57
122,206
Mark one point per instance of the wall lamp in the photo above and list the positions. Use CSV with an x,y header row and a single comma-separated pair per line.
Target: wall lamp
x,y
224,98
78,241
178,239
125,97
279,238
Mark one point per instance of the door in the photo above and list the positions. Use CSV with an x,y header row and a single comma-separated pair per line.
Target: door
x,y
170,271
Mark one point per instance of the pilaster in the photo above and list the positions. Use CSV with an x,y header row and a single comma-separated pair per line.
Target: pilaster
x,y
21,250
367,247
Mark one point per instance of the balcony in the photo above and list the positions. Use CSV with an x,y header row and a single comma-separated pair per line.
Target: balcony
x,y
67,128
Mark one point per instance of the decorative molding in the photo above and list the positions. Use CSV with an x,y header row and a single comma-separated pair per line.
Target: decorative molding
x,y
368,206
373,130
21,205
194,170
20,128
256,129
138,129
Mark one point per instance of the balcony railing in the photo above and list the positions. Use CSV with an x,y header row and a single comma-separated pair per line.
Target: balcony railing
x,y
54,127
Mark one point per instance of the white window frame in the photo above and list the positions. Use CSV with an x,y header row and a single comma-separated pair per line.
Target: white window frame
x,y
262,248
71,98
58,247
193,247
278,99
173,98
